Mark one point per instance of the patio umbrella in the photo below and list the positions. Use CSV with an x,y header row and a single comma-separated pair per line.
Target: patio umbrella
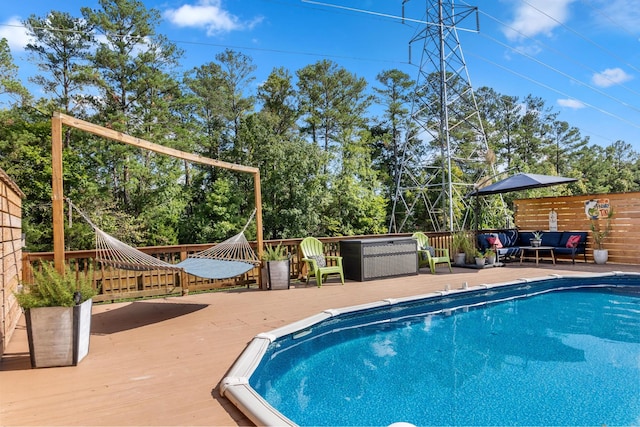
x,y
517,182
522,181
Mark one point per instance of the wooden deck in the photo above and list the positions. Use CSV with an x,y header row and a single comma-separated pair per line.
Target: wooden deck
x,y
159,362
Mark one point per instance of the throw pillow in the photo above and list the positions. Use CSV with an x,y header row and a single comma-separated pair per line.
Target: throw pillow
x,y
320,260
430,249
495,241
573,241
510,238
483,242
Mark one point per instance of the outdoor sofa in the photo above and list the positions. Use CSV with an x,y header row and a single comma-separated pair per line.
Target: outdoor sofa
x,y
511,240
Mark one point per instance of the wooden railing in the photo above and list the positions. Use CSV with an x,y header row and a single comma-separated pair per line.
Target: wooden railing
x,y
531,214
117,284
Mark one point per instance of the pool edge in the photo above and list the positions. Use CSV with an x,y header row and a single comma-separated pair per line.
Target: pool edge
x,y
235,386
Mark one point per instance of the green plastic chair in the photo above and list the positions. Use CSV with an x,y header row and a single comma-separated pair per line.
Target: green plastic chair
x,y
424,255
317,264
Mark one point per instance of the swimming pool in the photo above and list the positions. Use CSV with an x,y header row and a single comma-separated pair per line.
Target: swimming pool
x,y
459,357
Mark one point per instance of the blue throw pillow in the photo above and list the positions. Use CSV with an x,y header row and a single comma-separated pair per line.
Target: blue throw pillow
x,y
509,238
483,243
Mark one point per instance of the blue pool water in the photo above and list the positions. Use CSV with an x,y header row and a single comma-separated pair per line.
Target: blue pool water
x,y
569,357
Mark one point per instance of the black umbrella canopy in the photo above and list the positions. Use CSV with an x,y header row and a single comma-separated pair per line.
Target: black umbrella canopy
x,y
522,181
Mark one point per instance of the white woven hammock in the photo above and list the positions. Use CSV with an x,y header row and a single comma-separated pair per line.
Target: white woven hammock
x,y
230,258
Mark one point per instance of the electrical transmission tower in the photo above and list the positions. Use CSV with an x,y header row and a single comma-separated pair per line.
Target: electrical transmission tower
x,y
445,149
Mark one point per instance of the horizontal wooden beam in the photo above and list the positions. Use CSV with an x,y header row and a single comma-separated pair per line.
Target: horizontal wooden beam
x,y
141,143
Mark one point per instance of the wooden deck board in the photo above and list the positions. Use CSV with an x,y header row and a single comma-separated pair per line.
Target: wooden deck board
x,y
159,362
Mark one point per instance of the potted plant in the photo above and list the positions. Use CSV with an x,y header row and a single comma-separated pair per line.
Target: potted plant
x,y
599,233
490,255
537,239
57,310
277,273
479,257
462,247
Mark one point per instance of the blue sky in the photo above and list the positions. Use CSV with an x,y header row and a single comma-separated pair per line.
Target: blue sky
x,y
581,56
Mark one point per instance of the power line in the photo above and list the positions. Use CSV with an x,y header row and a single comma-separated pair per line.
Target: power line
x,y
556,90
387,15
397,62
554,50
585,38
230,46
615,23
562,73
543,63
603,111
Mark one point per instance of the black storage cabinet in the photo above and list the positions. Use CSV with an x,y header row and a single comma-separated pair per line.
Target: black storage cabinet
x,y
368,259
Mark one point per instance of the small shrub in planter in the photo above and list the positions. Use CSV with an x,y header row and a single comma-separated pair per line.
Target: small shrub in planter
x,y
479,258
490,255
278,270
600,233
462,243
58,314
537,239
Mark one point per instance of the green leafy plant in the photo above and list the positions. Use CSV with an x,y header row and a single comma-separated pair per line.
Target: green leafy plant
x,y
458,242
462,242
489,253
275,253
537,235
599,232
52,289
478,254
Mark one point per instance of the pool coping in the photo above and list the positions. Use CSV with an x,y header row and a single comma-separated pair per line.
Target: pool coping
x,y
236,388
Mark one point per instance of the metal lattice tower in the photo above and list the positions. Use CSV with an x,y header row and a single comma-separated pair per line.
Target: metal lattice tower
x,y
445,149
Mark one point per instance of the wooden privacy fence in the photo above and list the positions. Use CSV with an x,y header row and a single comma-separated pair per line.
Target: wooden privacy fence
x,y
11,249
622,243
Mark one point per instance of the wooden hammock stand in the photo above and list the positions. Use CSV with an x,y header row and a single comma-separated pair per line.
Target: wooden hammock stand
x,y
60,119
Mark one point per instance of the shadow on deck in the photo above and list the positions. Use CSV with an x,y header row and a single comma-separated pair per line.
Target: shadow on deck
x,y
159,362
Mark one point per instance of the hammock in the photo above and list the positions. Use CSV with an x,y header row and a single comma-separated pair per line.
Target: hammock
x,y
230,258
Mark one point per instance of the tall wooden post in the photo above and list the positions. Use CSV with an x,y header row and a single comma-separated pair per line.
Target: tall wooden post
x,y
57,192
258,200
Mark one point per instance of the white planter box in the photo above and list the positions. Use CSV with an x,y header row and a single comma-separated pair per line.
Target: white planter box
x,y
58,336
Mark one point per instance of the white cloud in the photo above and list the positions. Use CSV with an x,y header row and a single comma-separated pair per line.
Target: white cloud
x,y
15,33
537,17
528,50
207,14
618,13
610,77
571,103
